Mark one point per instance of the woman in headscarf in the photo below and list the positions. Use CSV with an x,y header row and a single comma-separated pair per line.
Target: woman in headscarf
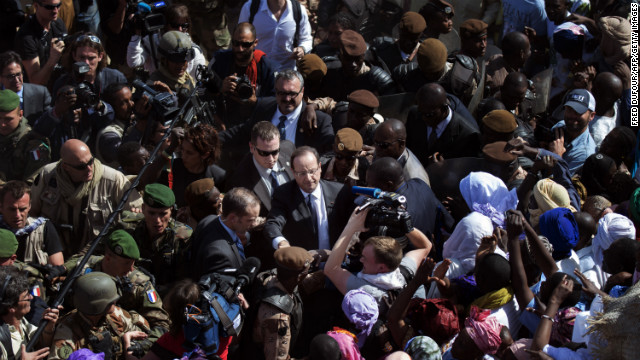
x,y
361,309
482,334
560,227
547,195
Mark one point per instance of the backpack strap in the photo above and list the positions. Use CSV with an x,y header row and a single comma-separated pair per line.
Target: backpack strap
x,y
227,324
255,5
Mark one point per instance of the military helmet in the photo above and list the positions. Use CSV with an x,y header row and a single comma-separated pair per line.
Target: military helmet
x,y
176,46
94,292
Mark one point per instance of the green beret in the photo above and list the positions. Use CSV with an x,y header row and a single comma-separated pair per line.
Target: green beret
x,y
472,28
352,43
312,68
293,258
158,196
8,243
432,56
347,139
198,191
412,23
123,244
501,121
9,100
364,98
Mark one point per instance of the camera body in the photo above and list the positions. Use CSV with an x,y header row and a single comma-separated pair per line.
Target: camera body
x,y
148,17
388,215
86,97
244,89
163,103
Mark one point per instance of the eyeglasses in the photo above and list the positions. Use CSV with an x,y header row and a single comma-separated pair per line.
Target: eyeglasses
x,y
305,173
385,145
82,166
12,76
288,94
29,297
267,153
180,25
51,7
92,38
244,44
345,157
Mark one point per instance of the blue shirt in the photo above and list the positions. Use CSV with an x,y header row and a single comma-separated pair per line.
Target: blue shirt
x,y
578,150
235,238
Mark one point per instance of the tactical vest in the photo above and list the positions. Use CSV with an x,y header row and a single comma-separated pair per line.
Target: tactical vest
x,y
35,243
288,304
103,341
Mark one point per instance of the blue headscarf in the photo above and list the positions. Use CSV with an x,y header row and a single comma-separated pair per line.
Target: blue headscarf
x,y
560,227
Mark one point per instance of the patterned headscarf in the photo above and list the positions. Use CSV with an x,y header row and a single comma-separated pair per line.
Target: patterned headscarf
x,y
423,348
483,330
361,309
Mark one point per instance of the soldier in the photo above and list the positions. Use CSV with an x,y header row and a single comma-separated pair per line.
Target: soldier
x,y
279,319
163,240
175,50
344,164
97,323
138,292
22,152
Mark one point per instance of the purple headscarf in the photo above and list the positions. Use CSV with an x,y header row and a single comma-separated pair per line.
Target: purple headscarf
x,y
361,309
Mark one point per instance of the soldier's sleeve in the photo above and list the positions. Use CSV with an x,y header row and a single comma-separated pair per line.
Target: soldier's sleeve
x,y
151,308
36,155
274,332
63,344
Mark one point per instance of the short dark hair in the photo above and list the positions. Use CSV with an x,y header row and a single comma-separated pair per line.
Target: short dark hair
x,y
555,280
264,130
184,292
86,39
344,20
125,150
386,250
9,57
176,12
204,138
12,284
493,271
16,188
304,150
238,200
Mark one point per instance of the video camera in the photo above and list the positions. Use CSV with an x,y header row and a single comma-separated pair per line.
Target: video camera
x,y
388,215
147,16
164,104
86,97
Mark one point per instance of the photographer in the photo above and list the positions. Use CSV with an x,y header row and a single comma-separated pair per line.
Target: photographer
x,y
139,51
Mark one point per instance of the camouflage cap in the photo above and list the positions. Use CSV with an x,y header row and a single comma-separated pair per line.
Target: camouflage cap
x,y
8,243
293,258
158,196
353,43
348,139
9,100
123,244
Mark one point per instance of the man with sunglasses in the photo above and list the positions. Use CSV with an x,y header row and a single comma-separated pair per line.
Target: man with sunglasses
x,y
78,194
344,164
267,166
39,41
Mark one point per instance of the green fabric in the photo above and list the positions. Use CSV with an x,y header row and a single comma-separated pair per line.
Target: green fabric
x,y
9,100
8,243
158,196
123,244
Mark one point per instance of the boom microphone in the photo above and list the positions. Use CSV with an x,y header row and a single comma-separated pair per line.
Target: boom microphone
x,y
247,273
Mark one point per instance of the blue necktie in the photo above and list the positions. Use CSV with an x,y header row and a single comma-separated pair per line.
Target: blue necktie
x,y
239,246
283,133
313,211
274,180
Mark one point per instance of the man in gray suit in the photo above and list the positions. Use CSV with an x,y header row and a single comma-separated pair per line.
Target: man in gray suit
x,y
11,77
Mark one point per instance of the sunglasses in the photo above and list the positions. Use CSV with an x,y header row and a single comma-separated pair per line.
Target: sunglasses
x,y
82,166
12,76
181,25
267,153
244,44
91,38
51,7
288,94
385,145
345,157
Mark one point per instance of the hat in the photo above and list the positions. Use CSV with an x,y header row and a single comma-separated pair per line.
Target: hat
x,y
501,121
176,46
198,191
495,152
158,196
580,100
8,243
293,258
432,56
441,6
473,28
312,67
412,23
347,139
364,98
9,100
123,244
352,43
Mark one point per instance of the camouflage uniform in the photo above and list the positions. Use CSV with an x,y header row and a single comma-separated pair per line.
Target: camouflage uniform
x,y
22,153
165,255
209,28
35,278
75,331
138,294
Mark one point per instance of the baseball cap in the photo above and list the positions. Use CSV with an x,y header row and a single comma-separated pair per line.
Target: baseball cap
x,y
580,100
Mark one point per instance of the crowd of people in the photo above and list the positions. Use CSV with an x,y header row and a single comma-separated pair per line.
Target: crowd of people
x,y
318,179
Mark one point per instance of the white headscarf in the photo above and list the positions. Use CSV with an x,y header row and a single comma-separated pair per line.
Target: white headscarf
x,y
488,195
611,227
465,240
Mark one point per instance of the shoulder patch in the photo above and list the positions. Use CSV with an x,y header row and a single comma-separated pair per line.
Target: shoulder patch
x,y
152,296
64,351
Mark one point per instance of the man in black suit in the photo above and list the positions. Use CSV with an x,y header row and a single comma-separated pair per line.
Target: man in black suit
x,y
302,210
435,131
217,243
266,167
12,78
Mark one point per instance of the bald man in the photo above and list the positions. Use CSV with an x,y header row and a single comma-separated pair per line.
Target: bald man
x,y
516,49
607,90
77,194
390,140
435,131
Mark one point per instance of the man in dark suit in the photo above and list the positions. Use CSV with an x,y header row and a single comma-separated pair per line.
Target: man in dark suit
x,y
435,131
12,78
266,167
217,243
302,210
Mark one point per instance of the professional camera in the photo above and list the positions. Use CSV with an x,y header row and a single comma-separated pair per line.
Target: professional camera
x,y
86,97
148,17
244,90
163,103
388,215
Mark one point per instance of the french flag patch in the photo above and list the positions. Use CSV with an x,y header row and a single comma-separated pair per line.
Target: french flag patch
x,y
35,291
152,296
